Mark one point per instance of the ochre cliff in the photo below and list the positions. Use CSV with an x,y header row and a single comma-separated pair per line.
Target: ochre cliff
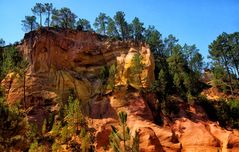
x,y
64,60
69,59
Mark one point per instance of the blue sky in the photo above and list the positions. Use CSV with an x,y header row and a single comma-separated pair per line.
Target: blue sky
x,y
191,21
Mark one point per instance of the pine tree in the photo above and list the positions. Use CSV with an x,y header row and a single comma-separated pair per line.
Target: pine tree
x,y
63,18
138,29
153,38
29,24
101,23
111,79
136,70
111,29
83,24
44,129
169,43
48,11
123,135
74,115
39,9
2,42
121,24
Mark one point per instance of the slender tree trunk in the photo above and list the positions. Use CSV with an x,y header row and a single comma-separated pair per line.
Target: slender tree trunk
x,y
31,26
124,150
40,20
237,69
122,33
104,28
24,89
228,72
48,22
237,72
230,78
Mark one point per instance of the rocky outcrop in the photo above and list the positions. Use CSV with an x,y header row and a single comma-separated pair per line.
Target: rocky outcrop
x,y
149,142
233,141
194,134
67,59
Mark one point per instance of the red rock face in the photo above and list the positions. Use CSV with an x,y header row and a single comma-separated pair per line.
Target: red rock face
x,y
67,59
149,142
194,134
233,141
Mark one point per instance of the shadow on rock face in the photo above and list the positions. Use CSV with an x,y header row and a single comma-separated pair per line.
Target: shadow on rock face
x,y
102,109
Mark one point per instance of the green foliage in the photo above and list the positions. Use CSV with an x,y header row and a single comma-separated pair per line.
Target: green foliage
x,y
111,79
169,107
44,129
121,24
193,57
135,146
138,29
101,23
48,12
32,131
56,128
83,24
223,52
11,58
11,61
104,74
73,115
136,70
39,9
34,146
185,81
111,29
219,78
55,147
123,118
124,135
73,124
224,111
86,141
12,126
63,18
29,24
107,77
65,134
153,38
170,43
2,42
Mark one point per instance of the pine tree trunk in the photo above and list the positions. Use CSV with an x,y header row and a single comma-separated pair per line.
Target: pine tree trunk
x,y
31,26
40,20
236,66
24,89
124,150
48,24
230,78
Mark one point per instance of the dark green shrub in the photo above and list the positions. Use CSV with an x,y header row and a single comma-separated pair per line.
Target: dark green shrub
x,y
12,127
226,112
208,107
170,106
11,60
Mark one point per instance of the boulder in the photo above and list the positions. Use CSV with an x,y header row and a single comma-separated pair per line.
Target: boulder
x,y
233,141
148,141
194,134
